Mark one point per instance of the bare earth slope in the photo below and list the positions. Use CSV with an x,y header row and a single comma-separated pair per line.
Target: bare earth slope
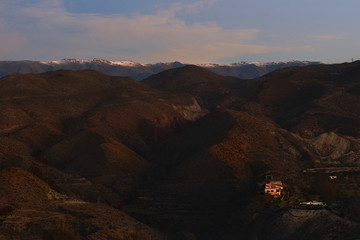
x,y
182,155
285,123
78,131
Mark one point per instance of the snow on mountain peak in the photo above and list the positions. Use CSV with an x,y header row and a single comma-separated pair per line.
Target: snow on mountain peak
x,y
64,61
125,63
129,63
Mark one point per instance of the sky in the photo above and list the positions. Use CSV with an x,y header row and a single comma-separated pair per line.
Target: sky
x,y
189,31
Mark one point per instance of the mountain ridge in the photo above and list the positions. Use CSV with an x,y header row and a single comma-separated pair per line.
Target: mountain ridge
x,y
139,71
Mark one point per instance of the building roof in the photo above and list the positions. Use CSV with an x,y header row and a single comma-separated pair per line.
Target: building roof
x,y
276,182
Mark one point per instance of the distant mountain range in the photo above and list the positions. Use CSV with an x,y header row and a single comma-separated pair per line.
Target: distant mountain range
x,y
139,71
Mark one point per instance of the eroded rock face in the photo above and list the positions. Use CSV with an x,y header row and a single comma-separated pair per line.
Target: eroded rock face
x,y
191,112
330,145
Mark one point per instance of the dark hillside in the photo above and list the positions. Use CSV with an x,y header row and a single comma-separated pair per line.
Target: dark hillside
x,y
78,131
209,88
183,155
297,98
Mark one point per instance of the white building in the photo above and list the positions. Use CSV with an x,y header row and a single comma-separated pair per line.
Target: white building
x,y
274,188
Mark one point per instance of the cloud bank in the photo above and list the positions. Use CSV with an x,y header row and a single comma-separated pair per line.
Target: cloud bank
x,y
45,29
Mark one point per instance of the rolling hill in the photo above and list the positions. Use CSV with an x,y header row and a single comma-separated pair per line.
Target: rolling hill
x,y
181,155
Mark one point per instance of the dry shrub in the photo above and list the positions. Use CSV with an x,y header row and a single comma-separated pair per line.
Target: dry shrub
x,y
5,210
61,232
130,235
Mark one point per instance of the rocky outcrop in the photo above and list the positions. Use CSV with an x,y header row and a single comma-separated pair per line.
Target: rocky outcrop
x,y
330,145
191,112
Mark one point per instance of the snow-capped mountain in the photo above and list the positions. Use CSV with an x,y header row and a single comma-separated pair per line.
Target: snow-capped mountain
x,y
249,70
125,63
139,71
